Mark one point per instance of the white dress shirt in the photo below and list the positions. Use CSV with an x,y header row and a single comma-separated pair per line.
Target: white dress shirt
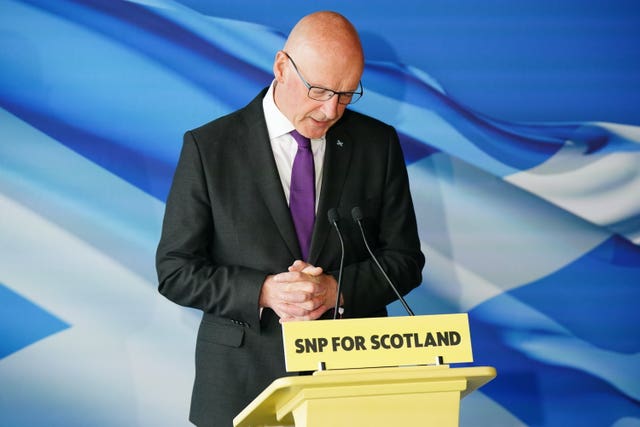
x,y
284,147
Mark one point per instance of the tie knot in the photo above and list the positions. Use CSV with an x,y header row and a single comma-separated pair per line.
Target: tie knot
x,y
303,142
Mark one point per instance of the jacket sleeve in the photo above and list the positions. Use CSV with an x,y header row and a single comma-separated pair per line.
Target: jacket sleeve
x,y
186,272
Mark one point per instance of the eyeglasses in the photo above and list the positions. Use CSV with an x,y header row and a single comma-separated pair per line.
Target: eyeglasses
x,y
323,94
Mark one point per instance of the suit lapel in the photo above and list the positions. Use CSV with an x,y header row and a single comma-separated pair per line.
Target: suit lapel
x,y
265,173
337,159
262,163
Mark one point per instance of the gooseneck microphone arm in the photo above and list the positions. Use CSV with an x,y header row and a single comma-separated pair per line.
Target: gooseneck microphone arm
x,y
333,220
357,216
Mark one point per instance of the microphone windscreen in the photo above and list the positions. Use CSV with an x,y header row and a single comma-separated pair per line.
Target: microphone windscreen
x,y
356,213
333,216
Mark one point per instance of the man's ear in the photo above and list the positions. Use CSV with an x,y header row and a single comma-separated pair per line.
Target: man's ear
x,y
279,65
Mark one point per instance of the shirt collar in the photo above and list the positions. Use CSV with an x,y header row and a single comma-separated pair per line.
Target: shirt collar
x,y
277,123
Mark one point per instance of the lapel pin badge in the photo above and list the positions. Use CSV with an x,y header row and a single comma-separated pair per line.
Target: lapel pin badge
x,y
339,143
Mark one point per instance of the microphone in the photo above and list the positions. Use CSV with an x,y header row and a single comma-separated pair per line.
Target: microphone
x,y
333,220
356,214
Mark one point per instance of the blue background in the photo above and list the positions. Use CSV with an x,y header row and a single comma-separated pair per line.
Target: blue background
x,y
521,130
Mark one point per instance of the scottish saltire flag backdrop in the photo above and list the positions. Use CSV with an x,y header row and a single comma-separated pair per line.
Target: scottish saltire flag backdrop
x,y
520,123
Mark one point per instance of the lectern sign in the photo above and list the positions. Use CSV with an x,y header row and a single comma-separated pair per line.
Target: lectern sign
x,y
377,342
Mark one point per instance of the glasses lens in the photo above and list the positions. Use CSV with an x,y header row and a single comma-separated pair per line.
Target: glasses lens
x,y
320,94
351,98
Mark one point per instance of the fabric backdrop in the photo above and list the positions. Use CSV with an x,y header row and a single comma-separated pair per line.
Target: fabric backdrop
x,y
520,123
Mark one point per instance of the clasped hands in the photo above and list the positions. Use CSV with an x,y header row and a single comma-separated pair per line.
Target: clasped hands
x,y
303,292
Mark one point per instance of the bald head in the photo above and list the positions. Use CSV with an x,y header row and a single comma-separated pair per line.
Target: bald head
x,y
325,33
323,51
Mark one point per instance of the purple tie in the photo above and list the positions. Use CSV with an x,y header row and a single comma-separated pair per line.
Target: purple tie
x,y
302,198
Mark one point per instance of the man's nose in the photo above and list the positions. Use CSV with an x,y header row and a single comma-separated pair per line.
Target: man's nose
x,y
331,107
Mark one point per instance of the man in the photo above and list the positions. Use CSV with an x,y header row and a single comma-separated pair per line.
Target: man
x,y
232,247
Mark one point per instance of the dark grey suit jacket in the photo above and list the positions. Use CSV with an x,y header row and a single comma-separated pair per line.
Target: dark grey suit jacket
x,y
227,226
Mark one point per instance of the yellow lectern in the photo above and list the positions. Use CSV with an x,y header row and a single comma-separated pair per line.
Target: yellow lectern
x,y
400,396
406,394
